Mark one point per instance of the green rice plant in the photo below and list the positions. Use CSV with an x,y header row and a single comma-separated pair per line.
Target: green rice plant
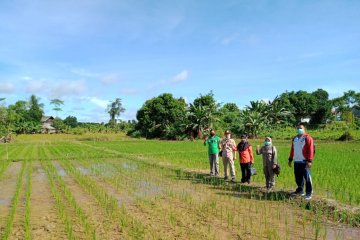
x,y
3,166
14,203
89,229
27,204
109,203
60,206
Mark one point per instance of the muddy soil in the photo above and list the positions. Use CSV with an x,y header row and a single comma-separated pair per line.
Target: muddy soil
x,y
45,222
7,191
166,206
105,227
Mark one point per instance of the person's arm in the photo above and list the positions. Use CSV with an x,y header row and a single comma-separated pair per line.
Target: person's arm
x,y
258,149
251,154
234,149
274,156
308,151
291,156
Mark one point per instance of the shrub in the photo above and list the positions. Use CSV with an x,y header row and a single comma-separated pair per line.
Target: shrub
x,y
346,137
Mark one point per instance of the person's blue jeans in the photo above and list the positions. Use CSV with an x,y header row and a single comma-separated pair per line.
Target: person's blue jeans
x,y
302,174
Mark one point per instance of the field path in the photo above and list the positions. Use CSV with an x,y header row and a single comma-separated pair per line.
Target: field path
x,y
105,227
45,222
8,188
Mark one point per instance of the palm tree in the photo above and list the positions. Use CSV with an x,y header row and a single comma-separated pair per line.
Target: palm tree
x,y
259,106
200,118
254,121
115,109
35,111
57,103
279,114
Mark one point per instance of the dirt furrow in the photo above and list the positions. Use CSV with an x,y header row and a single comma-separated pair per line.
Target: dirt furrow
x,y
45,222
105,227
8,187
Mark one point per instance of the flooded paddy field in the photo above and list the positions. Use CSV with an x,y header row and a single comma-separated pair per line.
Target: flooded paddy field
x,y
150,190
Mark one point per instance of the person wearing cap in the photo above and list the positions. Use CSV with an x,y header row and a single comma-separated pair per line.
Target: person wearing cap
x,y
302,153
213,143
246,158
228,148
269,156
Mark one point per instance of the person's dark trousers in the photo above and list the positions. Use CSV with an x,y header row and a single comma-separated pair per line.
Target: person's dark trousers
x,y
245,172
302,173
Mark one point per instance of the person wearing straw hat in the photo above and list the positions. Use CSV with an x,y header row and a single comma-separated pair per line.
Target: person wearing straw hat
x,y
269,156
228,148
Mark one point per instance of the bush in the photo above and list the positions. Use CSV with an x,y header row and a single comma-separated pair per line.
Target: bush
x,y
346,137
134,133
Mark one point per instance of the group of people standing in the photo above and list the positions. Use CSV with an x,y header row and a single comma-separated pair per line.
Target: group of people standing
x,y
302,153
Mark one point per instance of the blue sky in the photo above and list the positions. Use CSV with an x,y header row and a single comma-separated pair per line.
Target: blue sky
x,y
90,52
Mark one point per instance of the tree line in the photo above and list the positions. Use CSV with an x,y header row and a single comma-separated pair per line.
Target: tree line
x,y
167,117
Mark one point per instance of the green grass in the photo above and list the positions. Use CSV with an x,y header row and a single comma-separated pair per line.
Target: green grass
x,y
335,168
167,181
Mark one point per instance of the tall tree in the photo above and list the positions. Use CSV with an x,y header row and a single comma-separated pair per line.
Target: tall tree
x,y
278,114
71,121
35,111
57,104
114,109
230,118
323,107
200,117
161,117
301,103
254,121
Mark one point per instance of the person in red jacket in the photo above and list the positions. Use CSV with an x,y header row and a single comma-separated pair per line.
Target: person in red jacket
x,y
302,153
246,158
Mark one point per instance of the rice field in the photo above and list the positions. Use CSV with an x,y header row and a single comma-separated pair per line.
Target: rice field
x,y
68,188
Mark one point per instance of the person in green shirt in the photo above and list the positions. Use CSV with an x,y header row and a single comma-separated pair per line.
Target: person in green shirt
x,y
213,143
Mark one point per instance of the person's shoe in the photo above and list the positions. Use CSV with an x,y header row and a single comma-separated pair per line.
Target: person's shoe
x,y
308,196
232,180
226,178
298,193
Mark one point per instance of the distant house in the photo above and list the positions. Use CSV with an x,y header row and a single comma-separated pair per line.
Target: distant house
x,y
305,119
46,124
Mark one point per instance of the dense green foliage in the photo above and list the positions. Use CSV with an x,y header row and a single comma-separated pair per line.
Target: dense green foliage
x,y
161,117
256,119
166,117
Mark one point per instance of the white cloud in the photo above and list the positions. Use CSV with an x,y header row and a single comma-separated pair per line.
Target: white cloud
x,y
110,79
26,78
68,88
7,87
99,102
84,73
35,86
182,76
